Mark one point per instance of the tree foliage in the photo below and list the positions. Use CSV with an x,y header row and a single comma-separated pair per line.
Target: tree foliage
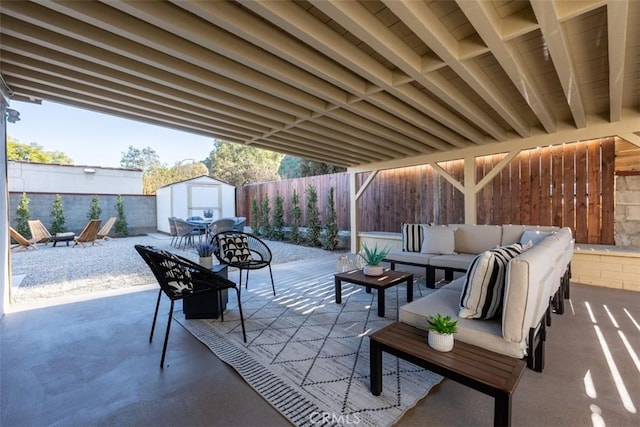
x,y
146,159
163,175
22,217
313,168
35,153
289,167
240,164
295,167
58,219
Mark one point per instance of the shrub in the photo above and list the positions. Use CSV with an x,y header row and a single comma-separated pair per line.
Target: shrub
x,y
277,222
255,217
313,217
265,226
294,216
94,209
331,234
121,221
22,217
58,219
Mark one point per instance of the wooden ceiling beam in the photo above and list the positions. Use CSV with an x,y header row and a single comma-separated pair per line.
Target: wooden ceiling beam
x,y
556,43
617,24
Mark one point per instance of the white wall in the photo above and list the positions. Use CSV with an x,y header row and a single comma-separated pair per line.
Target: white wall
x,y
47,178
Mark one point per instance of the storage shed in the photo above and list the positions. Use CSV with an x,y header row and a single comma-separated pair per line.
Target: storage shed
x,y
193,197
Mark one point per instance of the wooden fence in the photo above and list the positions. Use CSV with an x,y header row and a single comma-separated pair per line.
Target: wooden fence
x,y
568,185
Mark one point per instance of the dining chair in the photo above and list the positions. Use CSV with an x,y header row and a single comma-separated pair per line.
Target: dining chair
x,y
185,232
180,278
243,251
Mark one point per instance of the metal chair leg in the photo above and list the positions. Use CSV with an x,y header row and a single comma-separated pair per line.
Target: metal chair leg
x,y
272,285
155,316
244,333
166,336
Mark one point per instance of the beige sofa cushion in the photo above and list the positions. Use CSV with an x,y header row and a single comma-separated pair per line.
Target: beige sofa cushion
x,y
475,239
482,333
438,240
524,286
457,261
409,257
511,234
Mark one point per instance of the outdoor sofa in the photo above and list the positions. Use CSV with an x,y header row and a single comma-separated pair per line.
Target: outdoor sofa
x,y
503,304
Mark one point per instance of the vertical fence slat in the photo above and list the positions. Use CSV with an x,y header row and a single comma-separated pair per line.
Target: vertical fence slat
x,y
608,189
581,193
556,180
593,191
568,174
545,187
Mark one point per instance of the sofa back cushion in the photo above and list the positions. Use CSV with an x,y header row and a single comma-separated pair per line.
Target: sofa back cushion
x,y
524,288
483,288
475,239
412,236
439,240
511,234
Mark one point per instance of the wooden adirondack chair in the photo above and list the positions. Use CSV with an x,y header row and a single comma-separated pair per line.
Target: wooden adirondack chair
x,y
106,228
23,242
39,232
89,234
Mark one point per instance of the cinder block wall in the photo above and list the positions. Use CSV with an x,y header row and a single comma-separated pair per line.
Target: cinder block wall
x,y
139,210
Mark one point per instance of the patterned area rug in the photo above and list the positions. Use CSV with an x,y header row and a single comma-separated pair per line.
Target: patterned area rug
x,y
308,356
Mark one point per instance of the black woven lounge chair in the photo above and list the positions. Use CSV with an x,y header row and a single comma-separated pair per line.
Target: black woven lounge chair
x,y
180,278
243,251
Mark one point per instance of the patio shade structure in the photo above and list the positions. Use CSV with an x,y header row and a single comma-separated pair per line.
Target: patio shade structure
x,y
355,83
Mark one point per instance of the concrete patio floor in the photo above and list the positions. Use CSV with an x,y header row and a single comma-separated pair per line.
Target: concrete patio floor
x,y
90,363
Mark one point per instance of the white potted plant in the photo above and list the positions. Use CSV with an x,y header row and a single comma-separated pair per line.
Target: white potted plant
x,y
441,330
205,252
373,258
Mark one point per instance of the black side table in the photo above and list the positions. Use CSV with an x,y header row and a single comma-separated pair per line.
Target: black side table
x,y
205,306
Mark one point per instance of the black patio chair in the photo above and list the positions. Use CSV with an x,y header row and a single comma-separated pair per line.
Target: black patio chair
x,y
180,278
243,251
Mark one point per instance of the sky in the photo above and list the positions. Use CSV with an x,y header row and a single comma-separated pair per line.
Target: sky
x,y
97,139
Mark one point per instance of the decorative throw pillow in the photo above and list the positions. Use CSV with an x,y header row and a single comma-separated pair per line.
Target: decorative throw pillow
x,y
234,249
534,236
483,289
412,236
438,240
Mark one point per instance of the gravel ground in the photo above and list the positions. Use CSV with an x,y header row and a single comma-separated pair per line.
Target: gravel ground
x,y
65,271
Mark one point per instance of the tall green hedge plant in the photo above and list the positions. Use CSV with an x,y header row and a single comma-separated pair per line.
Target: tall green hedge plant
x,y
22,217
58,219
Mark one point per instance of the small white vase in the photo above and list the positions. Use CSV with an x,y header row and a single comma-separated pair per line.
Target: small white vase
x,y
206,262
373,270
440,342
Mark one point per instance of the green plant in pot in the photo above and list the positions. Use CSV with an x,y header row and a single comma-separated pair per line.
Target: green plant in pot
x,y
373,258
441,330
205,252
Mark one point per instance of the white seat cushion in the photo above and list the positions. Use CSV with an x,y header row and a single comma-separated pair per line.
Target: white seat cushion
x,y
482,333
408,257
457,261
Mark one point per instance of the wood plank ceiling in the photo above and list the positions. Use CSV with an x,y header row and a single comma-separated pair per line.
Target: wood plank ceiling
x,y
345,82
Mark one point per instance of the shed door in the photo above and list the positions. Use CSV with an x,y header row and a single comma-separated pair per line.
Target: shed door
x,y
203,197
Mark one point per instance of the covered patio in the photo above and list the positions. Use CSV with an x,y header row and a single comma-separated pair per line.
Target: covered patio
x,y
90,363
